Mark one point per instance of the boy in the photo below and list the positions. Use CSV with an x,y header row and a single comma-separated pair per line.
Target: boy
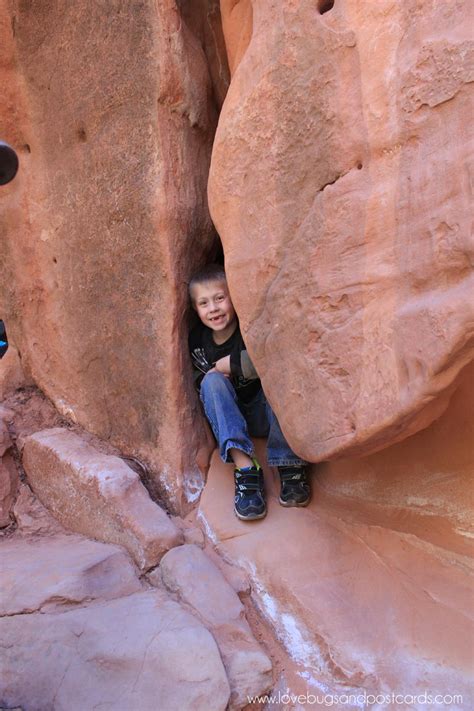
x,y
234,402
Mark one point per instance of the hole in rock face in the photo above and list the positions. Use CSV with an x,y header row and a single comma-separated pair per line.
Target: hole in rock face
x,y
359,166
325,6
81,134
55,260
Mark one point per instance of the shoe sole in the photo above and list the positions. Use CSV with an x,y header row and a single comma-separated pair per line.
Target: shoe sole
x,y
254,517
293,504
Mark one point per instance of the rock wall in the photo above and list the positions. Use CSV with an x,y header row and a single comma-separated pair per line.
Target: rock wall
x,y
339,186
113,113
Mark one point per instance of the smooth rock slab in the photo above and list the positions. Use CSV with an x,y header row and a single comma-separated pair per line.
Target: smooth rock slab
x,y
141,652
188,572
97,495
62,569
360,599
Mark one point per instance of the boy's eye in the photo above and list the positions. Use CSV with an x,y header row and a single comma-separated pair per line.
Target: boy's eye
x,y
220,298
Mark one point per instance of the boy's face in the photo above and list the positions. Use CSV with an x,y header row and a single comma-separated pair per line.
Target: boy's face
x,y
213,305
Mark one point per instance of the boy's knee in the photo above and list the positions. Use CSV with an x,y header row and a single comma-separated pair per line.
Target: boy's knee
x,y
214,382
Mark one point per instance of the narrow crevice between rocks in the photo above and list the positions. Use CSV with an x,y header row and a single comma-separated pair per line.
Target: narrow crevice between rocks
x,y
358,166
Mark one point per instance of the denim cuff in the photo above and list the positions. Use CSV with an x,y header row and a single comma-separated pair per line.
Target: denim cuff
x,y
225,456
278,462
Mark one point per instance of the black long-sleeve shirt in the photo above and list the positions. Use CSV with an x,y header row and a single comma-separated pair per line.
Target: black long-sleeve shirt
x,y
205,353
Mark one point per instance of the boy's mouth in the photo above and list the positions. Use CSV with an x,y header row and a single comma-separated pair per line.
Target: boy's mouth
x,y
217,318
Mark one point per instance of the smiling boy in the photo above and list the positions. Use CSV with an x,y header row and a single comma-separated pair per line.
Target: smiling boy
x,y
234,402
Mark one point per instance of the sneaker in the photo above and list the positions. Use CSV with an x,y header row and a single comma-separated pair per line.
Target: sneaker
x,y
249,500
294,489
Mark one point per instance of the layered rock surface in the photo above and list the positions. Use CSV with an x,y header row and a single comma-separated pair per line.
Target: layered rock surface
x,y
339,187
113,112
370,587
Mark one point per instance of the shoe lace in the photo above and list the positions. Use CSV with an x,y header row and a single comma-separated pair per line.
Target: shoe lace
x,y
248,481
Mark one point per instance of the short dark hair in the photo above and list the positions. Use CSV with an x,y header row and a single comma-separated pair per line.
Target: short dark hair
x,y
210,272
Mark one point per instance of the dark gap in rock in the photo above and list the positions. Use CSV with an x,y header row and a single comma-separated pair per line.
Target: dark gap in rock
x,y
331,182
81,134
217,252
359,166
325,6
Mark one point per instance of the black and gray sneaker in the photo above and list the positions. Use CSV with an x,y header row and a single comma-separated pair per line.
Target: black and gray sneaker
x,y
249,500
295,489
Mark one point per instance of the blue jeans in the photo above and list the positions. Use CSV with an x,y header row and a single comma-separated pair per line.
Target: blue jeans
x,y
234,422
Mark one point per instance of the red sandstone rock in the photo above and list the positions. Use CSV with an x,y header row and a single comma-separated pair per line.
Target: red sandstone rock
x,y
372,584
31,517
237,27
55,571
338,187
8,476
97,495
140,652
108,217
11,373
189,573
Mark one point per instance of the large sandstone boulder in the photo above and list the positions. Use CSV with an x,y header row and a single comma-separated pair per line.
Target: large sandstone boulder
x,y
339,187
139,652
112,109
97,495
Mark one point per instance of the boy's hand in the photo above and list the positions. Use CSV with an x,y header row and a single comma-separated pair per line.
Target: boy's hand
x,y
223,365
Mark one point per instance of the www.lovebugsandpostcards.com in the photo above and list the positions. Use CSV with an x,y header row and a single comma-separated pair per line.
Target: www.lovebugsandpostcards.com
x,y
360,700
